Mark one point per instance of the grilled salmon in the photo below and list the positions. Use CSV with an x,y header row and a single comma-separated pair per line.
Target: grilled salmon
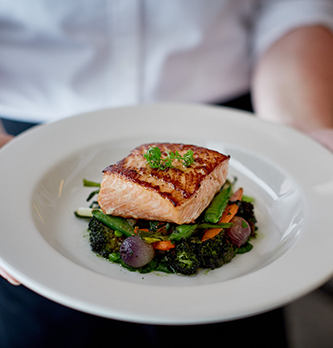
x,y
132,189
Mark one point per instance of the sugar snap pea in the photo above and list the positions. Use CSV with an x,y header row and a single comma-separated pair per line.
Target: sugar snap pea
x,y
216,208
183,232
115,222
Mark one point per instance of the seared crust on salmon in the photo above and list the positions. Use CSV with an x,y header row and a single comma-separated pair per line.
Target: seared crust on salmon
x,y
132,189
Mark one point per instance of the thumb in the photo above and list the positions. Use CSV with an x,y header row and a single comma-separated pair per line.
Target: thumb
x,y
4,138
8,277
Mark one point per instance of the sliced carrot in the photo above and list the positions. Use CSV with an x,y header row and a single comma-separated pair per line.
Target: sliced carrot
x,y
144,229
163,245
237,196
210,233
229,212
136,229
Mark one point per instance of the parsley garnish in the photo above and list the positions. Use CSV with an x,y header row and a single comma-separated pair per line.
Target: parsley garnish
x,y
155,160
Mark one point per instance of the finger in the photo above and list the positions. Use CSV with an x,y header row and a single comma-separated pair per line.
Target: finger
x,y
4,138
8,277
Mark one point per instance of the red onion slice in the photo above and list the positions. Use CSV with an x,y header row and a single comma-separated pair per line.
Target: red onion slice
x,y
239,232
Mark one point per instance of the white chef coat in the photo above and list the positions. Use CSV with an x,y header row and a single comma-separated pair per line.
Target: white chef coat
x,y
59,58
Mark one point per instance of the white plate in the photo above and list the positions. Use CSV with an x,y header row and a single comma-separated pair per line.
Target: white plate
x,y
45,247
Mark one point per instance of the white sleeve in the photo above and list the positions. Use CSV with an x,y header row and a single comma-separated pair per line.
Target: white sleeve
x,y
274,18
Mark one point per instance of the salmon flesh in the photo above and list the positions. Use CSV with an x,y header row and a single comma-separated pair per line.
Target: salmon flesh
x,y
132,189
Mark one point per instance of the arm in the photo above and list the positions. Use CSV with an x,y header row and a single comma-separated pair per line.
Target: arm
x,y
293,82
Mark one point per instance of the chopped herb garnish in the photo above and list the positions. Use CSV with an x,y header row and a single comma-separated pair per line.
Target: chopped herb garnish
x,y
155,160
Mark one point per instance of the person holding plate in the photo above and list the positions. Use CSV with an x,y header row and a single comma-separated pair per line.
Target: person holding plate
x,y
63,58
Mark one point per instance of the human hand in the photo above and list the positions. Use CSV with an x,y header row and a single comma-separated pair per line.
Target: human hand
x,y
4,138
324,136
8,277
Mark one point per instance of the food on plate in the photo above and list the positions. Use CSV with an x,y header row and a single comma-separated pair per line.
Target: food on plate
x,y
169,208
177,194
135,252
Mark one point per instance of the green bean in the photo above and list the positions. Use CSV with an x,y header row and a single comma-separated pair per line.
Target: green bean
x,y
114,257
208,225
88,183
244,248
247,199
92,194
183,232
115,222
216,208
118,233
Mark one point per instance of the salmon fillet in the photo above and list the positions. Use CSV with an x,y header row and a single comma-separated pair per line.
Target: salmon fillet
x,y
132,189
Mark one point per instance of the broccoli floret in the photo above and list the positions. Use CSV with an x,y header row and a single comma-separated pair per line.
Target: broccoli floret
x,y
246,211
215,252
191,254
183,258
102,239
